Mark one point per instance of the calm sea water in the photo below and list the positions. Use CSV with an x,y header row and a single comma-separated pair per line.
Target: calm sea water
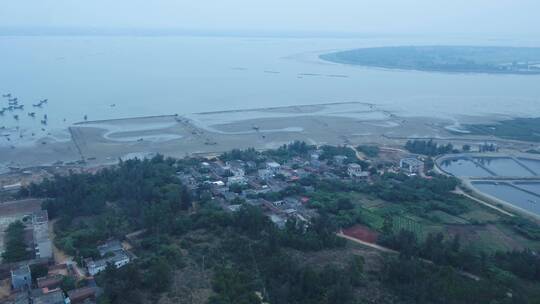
x,y
112,77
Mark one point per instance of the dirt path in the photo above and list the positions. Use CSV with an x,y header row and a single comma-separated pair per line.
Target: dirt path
x,y
388,250
359,154
60,257
374,246
461,192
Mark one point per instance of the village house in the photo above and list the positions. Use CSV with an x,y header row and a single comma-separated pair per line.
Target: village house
x,y
355,171
118,259
46,296
340,160
265,174
50,281
239,180
21,278
411,165
80,295
112,253
40,234
273,167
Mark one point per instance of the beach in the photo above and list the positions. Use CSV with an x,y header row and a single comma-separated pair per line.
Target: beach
x,y
94,143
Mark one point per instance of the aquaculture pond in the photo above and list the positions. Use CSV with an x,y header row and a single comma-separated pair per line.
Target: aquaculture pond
x,y
464,167
503,166
512,195
532,164
530,186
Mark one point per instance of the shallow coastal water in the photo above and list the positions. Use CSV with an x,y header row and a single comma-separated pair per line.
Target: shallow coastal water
x,y
115,77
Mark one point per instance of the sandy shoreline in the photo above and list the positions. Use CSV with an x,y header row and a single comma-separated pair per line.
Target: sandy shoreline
x,y
105,141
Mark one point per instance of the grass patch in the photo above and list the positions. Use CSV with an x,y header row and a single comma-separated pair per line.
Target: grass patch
x,y
445,218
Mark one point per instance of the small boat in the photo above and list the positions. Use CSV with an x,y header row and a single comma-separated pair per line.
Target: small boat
x,y
40,103
8,95
45,117
32,114
16,117
44,122
85,117
113,105
13,99
20,107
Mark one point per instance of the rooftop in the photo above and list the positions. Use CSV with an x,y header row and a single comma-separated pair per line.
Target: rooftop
x,y
118,256
273,165
412,161
40,217
110,246
80,294
50,280
50,297
21,271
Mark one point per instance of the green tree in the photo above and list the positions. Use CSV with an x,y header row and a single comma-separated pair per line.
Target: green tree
x,y
15,246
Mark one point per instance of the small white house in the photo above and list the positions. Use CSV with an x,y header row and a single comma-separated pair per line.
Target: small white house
x,y
240,180
273,166
118,259
411,165
355,171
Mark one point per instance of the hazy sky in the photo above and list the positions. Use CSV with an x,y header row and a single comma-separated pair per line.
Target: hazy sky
x,y
507,17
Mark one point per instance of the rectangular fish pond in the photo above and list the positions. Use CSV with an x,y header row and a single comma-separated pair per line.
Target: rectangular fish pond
x,y
521,195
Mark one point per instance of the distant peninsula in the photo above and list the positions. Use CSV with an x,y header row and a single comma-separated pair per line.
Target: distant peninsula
x,y
451,59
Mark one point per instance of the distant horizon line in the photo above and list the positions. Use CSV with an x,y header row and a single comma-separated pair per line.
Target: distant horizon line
x,y
149,32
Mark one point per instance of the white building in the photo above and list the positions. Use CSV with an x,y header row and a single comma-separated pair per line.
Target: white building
x,y
273,167
355,171
119,259
411,165
240,180
340,159
112,253
265,174
40,234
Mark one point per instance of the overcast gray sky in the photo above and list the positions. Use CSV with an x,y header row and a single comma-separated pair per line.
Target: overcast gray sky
x,y
506,17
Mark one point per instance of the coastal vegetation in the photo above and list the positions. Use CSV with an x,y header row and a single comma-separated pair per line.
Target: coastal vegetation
x,y
15,246
453,59
369,151
428,147
190,247
525,129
